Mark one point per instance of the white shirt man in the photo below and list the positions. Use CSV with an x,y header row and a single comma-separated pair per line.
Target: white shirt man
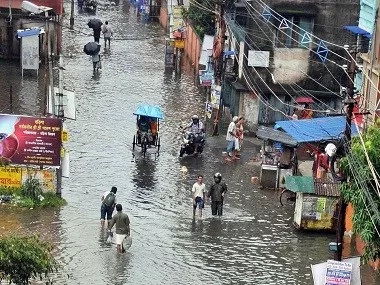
x,y
231,136
198,191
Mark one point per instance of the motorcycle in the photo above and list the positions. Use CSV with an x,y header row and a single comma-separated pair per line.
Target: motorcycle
x,y
189,143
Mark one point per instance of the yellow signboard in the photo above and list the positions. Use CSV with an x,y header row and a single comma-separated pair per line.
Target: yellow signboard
x,y
179,43
65,136
10,176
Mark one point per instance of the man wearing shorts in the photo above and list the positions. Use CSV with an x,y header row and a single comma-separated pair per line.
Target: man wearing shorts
x,y
198,192
108,205
121,220
230,138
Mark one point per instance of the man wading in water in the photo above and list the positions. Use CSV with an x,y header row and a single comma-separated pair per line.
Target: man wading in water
x,y
217,192
122,227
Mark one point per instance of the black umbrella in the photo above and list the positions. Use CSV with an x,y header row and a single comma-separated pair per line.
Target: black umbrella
x,y
91,48
95,24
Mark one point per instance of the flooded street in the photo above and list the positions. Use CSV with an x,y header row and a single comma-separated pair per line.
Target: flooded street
x,y
254,242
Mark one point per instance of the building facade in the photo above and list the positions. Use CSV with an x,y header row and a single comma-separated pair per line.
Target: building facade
x,y
278,56
14,18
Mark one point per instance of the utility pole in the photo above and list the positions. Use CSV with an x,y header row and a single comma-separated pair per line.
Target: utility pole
x,y
60,115
72,15
219,66
350,103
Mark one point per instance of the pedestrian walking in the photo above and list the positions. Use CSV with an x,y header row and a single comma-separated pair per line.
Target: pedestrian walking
x,y
97,31
96,61
108,205
121,220
217,192
230,137
107,33
198,192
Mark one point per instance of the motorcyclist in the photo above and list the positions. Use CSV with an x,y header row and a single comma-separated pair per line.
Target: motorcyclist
x,y
217,192
197,128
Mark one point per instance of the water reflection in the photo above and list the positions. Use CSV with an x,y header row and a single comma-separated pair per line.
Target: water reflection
x,y
144,173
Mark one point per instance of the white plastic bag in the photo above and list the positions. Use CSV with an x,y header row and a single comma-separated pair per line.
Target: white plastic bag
x,y
237,144
127,242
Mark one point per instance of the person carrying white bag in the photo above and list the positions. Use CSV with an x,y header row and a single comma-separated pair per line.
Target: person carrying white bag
x,y
123,232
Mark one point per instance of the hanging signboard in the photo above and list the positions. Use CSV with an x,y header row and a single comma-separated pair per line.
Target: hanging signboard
x,y
179,43
30,140
216,91
206,78
177,17
258,58
30,58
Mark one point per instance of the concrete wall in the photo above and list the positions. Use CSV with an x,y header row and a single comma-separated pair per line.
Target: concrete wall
x,y
290,65
249,109
10,46
193,47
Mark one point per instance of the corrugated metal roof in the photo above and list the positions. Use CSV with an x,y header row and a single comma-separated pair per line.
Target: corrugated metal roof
x,y
327,188
266,133
314,130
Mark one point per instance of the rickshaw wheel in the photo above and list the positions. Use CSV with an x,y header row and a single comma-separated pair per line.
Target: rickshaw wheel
x,y
134,142
144,146
158,144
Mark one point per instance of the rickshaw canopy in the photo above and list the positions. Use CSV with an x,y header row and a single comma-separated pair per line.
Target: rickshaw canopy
x,y
149,111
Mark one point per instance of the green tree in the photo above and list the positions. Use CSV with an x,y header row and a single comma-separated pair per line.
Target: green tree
x,y
25,258
201,17
362,166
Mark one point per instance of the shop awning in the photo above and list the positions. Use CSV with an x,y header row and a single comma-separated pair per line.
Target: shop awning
x,y
266,133
358,31
305,100
315,130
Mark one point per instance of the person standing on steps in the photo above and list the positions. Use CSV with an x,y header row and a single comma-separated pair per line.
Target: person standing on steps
x,y
217,192
107,33
121,220
198,192
108,205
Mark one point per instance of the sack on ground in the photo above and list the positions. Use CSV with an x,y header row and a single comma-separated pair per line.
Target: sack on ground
x,y
109,200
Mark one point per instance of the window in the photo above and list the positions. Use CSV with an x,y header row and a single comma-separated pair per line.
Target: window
x,y
292,37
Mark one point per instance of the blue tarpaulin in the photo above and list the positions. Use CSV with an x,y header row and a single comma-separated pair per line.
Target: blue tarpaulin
x,y
358,31
314,130
28,32
149,111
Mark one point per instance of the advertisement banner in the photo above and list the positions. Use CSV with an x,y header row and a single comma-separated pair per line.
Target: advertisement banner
x,y
30,140
216,91
206,78
10,176
338,273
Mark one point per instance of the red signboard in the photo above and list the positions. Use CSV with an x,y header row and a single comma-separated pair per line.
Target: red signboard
x,y
30,140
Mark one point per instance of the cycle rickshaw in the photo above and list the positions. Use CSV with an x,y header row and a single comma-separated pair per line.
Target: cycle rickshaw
x,y
148,123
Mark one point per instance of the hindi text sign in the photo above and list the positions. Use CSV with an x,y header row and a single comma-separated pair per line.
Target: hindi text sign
x,y
30,140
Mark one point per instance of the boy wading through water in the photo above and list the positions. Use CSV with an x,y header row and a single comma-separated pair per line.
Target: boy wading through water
x,y
121,220
198,191
108,205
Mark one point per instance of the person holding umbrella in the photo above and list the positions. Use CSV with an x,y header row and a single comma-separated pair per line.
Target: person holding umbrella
x,y
96,26
93,49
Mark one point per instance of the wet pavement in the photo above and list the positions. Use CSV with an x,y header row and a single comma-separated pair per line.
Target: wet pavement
x,y
254,242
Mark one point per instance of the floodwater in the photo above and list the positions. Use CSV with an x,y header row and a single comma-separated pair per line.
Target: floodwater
x,y
254,242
